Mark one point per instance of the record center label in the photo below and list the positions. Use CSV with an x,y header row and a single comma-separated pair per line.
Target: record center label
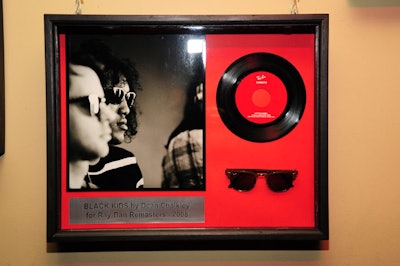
x,y
261,97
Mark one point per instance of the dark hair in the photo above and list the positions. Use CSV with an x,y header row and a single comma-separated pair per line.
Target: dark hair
x,y
193,113
98,56
113,72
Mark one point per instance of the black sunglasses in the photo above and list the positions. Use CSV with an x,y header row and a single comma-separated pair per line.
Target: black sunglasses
x,y
116,95
245,179
92,102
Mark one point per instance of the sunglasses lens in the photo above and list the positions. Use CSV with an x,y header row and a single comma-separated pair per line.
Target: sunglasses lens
x,y
114,96
118,95
94,105
243,181
130,98
280,182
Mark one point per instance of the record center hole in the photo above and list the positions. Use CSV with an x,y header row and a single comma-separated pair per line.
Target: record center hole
x,y
261,98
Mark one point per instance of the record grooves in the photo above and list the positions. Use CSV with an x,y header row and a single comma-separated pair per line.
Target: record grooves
x,y
291,97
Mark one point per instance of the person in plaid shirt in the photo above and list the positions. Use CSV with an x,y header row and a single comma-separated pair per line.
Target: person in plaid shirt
x,y
183,162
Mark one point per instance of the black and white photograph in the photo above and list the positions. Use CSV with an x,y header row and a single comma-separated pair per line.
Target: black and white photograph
x,y
148,111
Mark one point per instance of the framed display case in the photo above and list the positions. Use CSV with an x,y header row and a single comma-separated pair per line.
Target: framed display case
x,y
229,144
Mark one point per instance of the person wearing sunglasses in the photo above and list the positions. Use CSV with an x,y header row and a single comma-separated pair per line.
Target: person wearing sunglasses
x,y
119,170
89,123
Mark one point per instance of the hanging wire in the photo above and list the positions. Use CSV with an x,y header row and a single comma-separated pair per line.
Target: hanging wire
x,y
294,9
78,7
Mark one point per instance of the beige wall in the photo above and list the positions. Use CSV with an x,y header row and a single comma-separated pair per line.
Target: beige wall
x,y
364,129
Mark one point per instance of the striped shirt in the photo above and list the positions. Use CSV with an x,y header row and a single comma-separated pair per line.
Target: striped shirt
x,y
117,171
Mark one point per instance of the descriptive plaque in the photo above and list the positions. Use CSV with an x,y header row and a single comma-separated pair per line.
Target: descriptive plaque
x,y
137,210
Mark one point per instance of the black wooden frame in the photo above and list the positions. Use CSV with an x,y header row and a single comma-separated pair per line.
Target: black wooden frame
x,y
164,239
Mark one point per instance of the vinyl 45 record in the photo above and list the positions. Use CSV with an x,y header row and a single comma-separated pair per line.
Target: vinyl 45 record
x,y
261,97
